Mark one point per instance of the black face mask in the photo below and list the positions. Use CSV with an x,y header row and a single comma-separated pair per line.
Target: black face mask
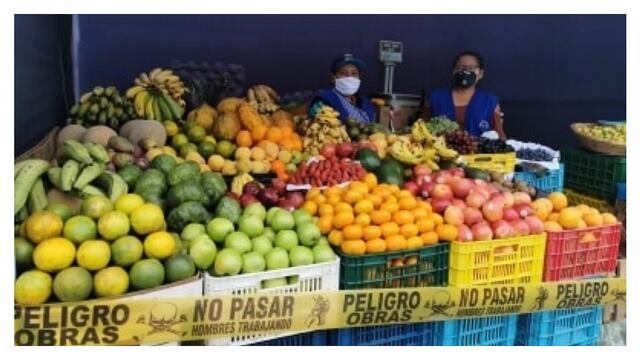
x,y
464,78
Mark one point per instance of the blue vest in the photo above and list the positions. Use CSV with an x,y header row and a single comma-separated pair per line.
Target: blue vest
x,y
479,112
331,98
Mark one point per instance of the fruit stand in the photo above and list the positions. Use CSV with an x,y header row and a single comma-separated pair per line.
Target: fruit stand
x,y
149,194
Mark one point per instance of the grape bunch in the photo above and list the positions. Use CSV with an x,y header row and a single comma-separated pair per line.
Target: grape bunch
x,y
534,155
463,142
490,146
441,125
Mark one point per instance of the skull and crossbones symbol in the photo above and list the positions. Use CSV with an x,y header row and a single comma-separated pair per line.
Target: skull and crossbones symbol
x,y
543,295
319,311
440,304
159,323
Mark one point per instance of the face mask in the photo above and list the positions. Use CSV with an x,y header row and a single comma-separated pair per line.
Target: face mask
x,y
464,78
347,86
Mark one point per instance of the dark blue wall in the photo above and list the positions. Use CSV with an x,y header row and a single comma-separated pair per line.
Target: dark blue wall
x,y
549,70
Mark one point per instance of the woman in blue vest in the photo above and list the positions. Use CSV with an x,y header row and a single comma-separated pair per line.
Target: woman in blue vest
x,y
343,96
475,110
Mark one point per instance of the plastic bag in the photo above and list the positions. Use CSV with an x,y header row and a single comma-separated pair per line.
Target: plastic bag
x,y
614,334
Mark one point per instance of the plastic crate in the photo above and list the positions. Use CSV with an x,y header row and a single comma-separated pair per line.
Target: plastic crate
x,y
316,338
517,260
592,173
310,278
621,193
429,267
573,254
560,327
414,334
576,198
553,181
503,163
485,331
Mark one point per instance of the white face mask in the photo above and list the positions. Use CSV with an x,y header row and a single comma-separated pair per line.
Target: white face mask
x,y
347,86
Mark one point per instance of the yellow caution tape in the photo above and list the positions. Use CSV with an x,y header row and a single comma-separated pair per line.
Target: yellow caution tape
x,y
127,322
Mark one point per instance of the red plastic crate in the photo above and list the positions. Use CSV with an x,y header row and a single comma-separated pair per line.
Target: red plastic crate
x,y
573,254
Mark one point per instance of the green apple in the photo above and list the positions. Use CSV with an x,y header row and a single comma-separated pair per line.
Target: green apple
x,y
228,262
203,253
192,230
238,241
286,239
269,233
282,220
300,256
253,262
308,234
323,253
273,283
301,216
277,258
219,228
261,244
256,209
251,225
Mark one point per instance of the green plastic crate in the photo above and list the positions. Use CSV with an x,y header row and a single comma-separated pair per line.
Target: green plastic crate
x,y
592,173
426,266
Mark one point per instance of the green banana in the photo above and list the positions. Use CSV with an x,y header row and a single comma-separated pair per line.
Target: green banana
x,y
69,174
88,174
75,150
55,176
176,110
90,190
98,152
157,114
113,184
37,197
21,215
28,175
85,97
165,111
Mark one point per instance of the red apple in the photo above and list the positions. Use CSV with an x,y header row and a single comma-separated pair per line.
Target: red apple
x,y
536,226
426,189
459,203
482,231
421,170
461,187
502,229
509,200
454,215
439,205
475,200
497,196
521,198
412,187
457,172
472,216
524,210
345,149
520,227
481,190
442,191
510,214
328,150
442,177
492,210
464,233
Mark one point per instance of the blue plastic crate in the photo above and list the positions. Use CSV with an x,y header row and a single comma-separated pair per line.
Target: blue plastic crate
x,y
414,334
622,191
553,181
560,327
485,331
314,338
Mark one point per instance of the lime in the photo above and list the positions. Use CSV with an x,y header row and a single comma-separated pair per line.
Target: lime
x,y
225,148
178,140
187,148
147,218
113,225
93,254
79,228
170,127
111,281
54,254
63,210
23,251
159,245
188,125
146,274
196,134
32,287
73,284
128,202
192,230
203,253
178,242
96,206
179,267
43,225
126,251
206,149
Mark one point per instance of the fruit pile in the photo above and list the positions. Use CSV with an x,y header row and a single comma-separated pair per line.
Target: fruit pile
x,y
153,92
272,195
462,141
493,146
336,167
106,250
263,98
612,133
325,128
102,106
558,216
367,217
420,147
361,131
441,125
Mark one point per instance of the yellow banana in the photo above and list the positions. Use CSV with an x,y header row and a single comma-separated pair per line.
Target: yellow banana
x,y
140,101
134,90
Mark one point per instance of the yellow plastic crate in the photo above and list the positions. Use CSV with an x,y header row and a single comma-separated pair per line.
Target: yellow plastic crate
x,y
576,198
503,163
518,260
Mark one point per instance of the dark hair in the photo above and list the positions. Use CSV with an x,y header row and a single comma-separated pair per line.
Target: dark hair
x,y
478,57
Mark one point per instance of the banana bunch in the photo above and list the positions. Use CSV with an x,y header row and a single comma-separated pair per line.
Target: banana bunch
x,y
153,104
325,128
239,181
165,81
102,106
29,192
263,98
413,153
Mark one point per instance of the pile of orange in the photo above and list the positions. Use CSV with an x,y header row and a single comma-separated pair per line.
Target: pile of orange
x,y
558,215
366,217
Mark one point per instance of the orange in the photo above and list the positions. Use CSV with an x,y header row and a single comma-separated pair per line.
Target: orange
x,y
569,218
376,246
429,238
371,232
609,219
352,232
550,226
383,192
593,219
325,224
278,166
363,207
379,217
584,209
559,200
396,242
419,213
359,186
244,138
409,230
542,207
403,217
363,219
335,237
447,232
320,199
325,209
389,229
353,247
370,180
311,207
553,217
352,196
274,134
437,218
258,133
425,225
312,193
287,132
407,202
375,199
414,242
333,199
425,205
342,206
342,219
391,207
405,193
395,189
334,190
581,224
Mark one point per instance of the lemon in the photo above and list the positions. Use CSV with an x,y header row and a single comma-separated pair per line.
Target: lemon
x,y
79,228
126,250
93,254
43,225
159,245
73,284
128,202
32,287
147,218
54,254
170,127
113,225
111,281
